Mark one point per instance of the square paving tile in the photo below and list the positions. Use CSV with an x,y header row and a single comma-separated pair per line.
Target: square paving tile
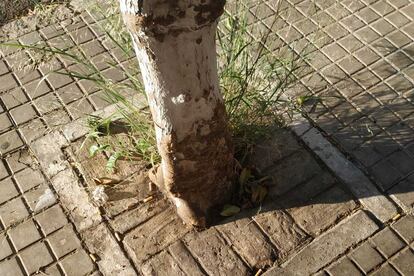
x,y
368,15
29,178
3,171
34,196
14,98
64,241
7,82
23,113
57,118
5,249
70,93
36,257
367,257
405,226
37,88
9,141
47,225
80,108
404,191
387,242
48,103
7,190
13,211
11,268
404,262
24,234
33,130
78,263
5,122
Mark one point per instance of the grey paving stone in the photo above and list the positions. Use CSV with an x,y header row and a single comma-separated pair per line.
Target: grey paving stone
x,y
405,227
3,68
9,141
153,236
385,270
7,190
11,268
52,31
216,257
368,15
14,98
3,171
249,242
404,261
33,130
366,56
351,176
162,264
344,267
350,65
29,178
323,210
5,122
292,171
404,193
48,225
351,44
282,230
34,196
76,200
80,108
366,257
78,263
387,242
57,118
58,80
402,161
23,113
82,35
334,52
281,144
30,38
5,249
64,241
386,175
36,89
36,257
26,75
70,93
110,257
329,245
54,270
48,152
308,190
7,82
183,256
13,211
20,160
62,42
24,234
47,103
92,48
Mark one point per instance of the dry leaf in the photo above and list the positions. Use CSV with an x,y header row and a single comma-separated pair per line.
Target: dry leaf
x,y
106,181
230,210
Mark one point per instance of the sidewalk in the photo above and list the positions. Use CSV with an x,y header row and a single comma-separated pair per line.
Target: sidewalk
x,y
343,196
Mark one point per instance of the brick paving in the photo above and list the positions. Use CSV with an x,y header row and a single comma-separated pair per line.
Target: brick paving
x,y
360,66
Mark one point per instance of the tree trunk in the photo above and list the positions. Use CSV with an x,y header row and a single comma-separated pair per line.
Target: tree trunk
x,y
175,44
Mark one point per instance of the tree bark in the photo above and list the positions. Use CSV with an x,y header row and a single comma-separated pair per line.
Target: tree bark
x,y
175,44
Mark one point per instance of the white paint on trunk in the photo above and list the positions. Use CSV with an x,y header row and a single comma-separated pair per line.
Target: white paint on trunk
x,y
175,45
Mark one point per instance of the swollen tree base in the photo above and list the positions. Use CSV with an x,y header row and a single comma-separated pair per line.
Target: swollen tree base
x,y
175,45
